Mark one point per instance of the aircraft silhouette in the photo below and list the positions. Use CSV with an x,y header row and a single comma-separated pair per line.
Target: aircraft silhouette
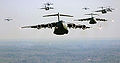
x,y
105,10
60,27
8,19
92,20
47,6
85,8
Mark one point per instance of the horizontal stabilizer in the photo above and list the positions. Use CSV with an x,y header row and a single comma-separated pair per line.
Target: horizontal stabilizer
x,y
66,15
50,15
58,15
91,14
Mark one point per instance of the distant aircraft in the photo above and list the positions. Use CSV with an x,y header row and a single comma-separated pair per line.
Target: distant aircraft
x,y
8,19
47,6
100,27
85,8
109,9
92,19
105,10
60,27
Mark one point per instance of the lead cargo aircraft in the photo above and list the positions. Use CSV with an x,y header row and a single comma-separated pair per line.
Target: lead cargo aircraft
x,y
60,27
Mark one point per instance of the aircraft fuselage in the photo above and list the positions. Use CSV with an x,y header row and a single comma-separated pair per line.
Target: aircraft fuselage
x,y
60,28
47,8
92,21
104,11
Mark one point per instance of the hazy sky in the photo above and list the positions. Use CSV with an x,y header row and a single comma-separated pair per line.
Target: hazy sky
x,y
26,12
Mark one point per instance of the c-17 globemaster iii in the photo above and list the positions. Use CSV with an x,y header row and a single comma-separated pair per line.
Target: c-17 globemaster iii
x,y
8,19
105,10
92,20
47,6
60,27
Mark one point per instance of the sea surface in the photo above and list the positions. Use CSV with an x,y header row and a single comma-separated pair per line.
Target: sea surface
x,y
80,51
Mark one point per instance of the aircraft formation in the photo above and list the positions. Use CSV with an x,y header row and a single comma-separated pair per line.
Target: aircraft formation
x,y
61,27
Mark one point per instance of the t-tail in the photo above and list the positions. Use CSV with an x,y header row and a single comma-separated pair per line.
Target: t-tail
x,y
91,14
58,15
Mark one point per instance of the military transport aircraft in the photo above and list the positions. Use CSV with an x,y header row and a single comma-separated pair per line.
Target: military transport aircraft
x,y
85,8
47,6
8,19
109,9
60,27
105,10
92,19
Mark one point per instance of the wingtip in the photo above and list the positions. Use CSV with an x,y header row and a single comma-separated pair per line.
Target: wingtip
x,y
76,20
22,27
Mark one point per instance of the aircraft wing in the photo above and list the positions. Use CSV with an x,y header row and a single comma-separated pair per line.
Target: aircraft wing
x,y
99,11
50,15
66,15
10,19
51,7
87,19
98,19
110,9
30,26
42,8
49,25
72,25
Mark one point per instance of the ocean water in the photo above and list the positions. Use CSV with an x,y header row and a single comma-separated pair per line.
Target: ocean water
x,y
81,51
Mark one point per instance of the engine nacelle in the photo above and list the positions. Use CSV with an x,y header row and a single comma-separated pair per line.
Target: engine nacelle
x,y
104,11
38,26
92,21
71,25
83,27
50,25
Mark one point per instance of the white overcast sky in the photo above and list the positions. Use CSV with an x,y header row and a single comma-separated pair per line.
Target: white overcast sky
x,y
26,12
